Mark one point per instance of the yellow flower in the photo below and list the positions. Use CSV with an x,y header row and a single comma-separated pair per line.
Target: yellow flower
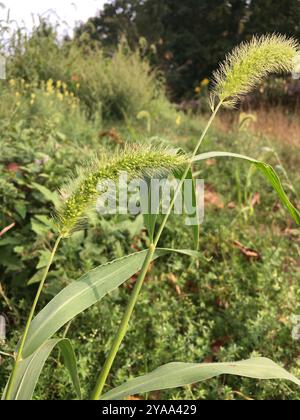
x,y
49,86
178,120
197,90
58,84
33,96
205,82
60,96
17,94
77,86
12,82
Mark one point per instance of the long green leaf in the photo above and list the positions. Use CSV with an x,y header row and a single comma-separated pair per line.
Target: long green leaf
x,y
175,375
83,293
267,171
29,369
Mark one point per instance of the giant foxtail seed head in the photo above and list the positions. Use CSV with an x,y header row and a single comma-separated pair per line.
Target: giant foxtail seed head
x,y
80,194
250,62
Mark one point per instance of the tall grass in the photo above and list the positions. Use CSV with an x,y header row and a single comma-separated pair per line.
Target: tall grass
x,y
239,75
117,85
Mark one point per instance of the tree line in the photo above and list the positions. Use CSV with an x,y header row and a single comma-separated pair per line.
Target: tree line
x,y
188,38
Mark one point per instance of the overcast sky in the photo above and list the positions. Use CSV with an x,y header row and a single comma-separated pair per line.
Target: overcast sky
x,y
23,11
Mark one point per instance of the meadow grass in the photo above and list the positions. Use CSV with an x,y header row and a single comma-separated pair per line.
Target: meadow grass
x,y
216,311
198,307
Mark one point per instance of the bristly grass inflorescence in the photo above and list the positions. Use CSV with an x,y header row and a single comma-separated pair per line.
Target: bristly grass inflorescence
x,y
250,62
246,66
137,161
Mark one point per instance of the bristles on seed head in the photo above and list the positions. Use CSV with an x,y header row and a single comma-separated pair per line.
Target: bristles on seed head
x,y
80,194
252,61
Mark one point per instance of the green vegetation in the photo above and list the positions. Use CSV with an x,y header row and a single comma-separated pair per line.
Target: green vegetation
x,y
232,303
187,39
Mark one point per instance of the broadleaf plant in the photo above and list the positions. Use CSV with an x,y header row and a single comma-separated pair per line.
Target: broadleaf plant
x,y
237,76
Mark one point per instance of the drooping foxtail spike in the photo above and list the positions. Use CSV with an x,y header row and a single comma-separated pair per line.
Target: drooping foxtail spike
x,y
250,63
138,162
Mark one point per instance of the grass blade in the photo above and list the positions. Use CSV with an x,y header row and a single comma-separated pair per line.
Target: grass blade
x,y
83,293
267,171
30,369
175,375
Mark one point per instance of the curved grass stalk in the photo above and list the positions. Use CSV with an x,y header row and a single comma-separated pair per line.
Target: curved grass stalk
x,y
243,69
139,283
137,162
239,74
